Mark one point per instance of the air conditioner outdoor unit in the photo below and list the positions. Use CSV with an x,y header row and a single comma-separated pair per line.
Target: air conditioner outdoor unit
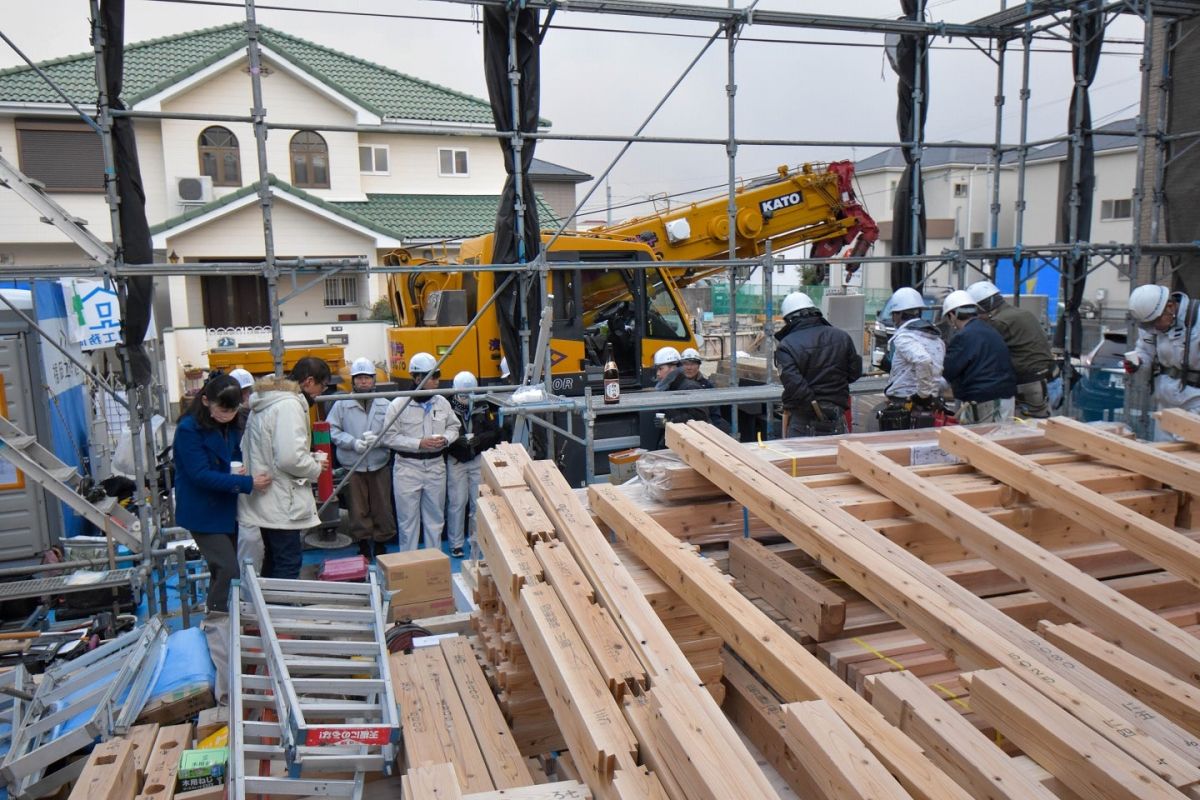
x,y
193,191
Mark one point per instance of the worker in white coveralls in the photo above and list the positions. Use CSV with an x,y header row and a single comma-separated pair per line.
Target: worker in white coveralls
x,y
1168,345
480,432
419,429
354,427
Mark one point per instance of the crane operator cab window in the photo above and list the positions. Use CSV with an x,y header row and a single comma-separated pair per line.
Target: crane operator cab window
x,y
663,318
610,317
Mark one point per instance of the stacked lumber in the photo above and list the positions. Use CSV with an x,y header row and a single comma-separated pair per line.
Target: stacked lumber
x,y
1045,588
450,716
633,712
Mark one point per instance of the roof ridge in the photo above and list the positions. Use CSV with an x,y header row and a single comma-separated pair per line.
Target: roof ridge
x,y
373,65
135,46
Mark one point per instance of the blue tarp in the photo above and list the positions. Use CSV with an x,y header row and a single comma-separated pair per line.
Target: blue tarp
x,y
1038,276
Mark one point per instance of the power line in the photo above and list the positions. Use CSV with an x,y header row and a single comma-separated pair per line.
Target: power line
x,y
630,31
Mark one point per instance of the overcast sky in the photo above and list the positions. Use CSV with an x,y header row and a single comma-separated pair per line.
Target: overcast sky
x,y
603,74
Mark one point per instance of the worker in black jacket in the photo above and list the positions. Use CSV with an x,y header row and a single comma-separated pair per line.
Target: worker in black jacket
x,y
480,431
817,363
690,362
669,377
978,366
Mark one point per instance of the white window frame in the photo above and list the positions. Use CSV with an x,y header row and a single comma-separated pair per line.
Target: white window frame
x,y
961,190
375,148
453,159
342,291
1108,209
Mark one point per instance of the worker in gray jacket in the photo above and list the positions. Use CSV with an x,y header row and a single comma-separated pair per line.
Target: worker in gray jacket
x,y
418,430
354,427
1028,346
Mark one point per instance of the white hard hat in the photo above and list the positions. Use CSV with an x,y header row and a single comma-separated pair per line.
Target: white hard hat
x,y
796,301
982,290
421,363
362,366
905,298
956,300
243,377
691,354
465,380
666,355
1147,303
504,370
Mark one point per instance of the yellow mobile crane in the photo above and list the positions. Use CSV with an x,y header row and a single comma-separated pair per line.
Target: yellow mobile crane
x,y
636,310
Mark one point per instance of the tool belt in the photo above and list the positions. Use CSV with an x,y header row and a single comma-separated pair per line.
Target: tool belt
x,y
831,422
1190,377
1045,376
908,413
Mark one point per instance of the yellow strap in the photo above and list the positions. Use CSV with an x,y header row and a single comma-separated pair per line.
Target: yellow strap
x,y
901,668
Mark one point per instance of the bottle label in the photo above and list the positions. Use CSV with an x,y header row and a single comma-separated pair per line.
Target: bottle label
x,y
612,390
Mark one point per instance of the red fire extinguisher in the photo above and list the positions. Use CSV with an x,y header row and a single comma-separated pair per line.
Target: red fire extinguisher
x,y
323,443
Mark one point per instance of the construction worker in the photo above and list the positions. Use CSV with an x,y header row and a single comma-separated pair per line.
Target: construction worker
x,y
246,382
354,427
915,355
278,443
480,431
669,377
1168,345
977,364
817,363
1028,346
690,361
419,429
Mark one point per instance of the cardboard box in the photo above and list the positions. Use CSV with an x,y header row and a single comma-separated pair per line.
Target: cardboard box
x,y
416,575
437,607
201,769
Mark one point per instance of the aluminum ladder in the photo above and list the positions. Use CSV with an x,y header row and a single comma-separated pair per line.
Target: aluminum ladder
x,y
61,480
310,687
98,694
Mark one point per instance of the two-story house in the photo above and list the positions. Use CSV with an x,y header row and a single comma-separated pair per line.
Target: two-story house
x,y
958,186
342,185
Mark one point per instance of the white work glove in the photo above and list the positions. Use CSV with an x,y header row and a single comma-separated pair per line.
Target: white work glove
x,y
1133,360
321,457
361,445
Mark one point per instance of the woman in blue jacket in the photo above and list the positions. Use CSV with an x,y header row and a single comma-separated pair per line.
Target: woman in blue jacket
x,y
207,441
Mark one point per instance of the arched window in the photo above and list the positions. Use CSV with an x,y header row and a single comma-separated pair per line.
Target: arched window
x,y
310,161
219,157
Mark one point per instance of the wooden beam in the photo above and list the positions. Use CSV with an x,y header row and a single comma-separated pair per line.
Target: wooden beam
x,y
1173,469
109,773
840,764
1176,699
1153,541
432,782
617,662
142,737
504,762
790,669
615,588
559,790
1074,591
820,613
759,715
1056,740
1180,423
498,470
951,741
506,550
917,595
428,666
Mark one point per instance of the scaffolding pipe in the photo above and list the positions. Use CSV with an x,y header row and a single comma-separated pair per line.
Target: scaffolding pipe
x,y
731,148
259,115
135,405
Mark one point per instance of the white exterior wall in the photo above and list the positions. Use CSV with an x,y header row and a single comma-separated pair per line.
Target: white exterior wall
x,y
238,235
413,165
287,99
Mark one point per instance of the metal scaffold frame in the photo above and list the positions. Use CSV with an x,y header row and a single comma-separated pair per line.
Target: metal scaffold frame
x,y
991,36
